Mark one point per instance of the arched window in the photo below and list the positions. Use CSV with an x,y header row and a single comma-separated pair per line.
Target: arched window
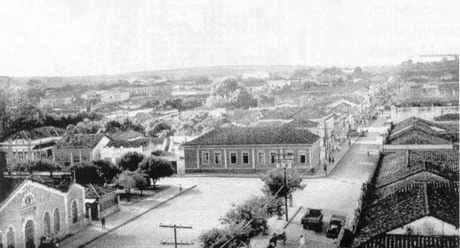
x,y
29,234
74,211
57,221
10,238
47,224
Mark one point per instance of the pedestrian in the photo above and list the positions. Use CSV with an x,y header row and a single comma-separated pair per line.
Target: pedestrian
x,y
180,187
325,169
368,153
103,222
301,242
332,159
273,239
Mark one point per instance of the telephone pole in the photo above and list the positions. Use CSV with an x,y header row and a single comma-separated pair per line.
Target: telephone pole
x,y
175,227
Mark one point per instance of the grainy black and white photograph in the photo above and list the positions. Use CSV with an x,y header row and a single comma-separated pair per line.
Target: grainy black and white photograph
x,y
229,124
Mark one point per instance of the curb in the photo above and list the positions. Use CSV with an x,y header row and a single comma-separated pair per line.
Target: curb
x,y
136,217
340,160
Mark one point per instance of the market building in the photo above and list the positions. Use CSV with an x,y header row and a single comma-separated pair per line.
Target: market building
x,y
39,206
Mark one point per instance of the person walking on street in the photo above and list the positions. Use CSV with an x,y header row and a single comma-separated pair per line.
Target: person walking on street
x,y
368,153
301,242
273,239
103,222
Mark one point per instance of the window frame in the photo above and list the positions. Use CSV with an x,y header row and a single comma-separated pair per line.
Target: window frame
x,y
243,155
217,158
236,157
258,157
203,156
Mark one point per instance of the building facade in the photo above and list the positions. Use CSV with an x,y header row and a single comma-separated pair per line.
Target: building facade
x,y
35,209
76,149
249,149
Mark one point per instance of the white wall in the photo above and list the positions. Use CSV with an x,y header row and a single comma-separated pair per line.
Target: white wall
x,y
428,226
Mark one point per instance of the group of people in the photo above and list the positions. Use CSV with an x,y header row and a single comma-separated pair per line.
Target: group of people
x,y
49,241
273,242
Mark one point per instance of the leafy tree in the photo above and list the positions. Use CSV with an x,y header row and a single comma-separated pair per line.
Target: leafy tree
x,y
130,161
230,94
141,181
227,87
106,170
274,181
87,174
127,181
242,99
159,129
157,168
113,126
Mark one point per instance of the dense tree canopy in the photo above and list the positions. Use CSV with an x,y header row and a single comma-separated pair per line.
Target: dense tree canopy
x,y
156,168
130,161
229,93
274,181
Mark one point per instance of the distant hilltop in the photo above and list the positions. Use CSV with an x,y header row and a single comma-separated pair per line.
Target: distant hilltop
x,y
434,57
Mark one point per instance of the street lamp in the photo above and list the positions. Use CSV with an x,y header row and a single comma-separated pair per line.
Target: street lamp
x,y
285,160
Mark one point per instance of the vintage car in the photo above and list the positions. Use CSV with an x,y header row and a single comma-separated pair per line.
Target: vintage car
x,y
335,224
313,219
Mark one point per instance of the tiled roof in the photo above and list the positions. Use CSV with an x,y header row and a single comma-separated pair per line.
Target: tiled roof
x,y
135,143
302,124
418,131
80,141
398,205
397,166
127,135
38,133
9,185
255,135
447,117
412,241
96,191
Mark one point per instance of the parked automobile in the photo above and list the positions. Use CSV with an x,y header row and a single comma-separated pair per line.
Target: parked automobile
x,y
335,224
313,219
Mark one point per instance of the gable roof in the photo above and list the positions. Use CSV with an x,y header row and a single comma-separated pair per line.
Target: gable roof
x,y
297,123
135,143
127,135
9,185
255,135
401,204
418,131
80,141
96,191
37,133
401,165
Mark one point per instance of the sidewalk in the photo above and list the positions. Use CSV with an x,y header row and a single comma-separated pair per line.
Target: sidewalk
x,y
129,211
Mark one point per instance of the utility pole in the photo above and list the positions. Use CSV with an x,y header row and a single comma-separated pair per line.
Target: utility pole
x,y
285,160
175,227
286,195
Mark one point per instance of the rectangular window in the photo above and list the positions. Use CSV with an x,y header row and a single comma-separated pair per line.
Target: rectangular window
x,y
217,158
245,157
205,157
272,157
302,158
233,158
261,158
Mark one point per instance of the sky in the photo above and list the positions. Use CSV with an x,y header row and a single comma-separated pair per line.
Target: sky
x,y
88,37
